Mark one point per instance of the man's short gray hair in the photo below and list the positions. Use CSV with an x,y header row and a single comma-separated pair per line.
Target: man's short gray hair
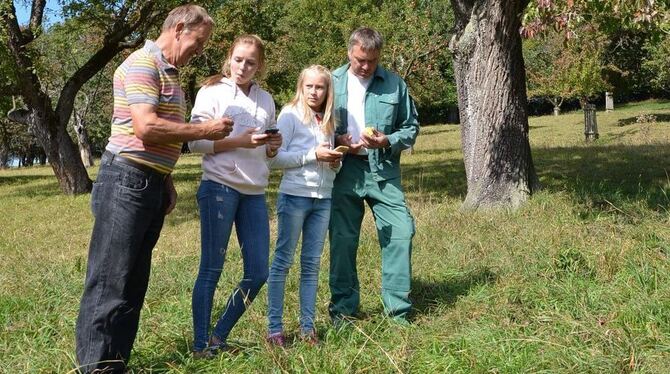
x,y
191,15
369,39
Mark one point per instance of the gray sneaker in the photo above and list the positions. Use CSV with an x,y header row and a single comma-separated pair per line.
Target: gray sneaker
x,y
206,354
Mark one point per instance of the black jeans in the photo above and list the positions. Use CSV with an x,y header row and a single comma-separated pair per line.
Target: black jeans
x,y
129,207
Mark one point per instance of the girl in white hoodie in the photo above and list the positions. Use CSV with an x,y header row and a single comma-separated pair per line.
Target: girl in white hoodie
x,y
235,174
303,204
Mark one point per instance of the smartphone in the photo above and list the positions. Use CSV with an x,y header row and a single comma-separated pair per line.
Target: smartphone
x,y
341,149
272,131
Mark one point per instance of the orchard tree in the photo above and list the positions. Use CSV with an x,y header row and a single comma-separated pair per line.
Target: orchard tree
x,y
418,51
95,97
546,65
121,24
306,24
557,69
491,83
606,15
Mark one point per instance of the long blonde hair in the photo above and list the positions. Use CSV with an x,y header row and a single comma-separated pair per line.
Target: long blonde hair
x,y
299,101
251,39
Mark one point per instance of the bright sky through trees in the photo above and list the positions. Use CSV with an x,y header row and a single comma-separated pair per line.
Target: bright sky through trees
x,y
51,12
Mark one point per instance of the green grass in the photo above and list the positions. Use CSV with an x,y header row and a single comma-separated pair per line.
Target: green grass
x,y
577,280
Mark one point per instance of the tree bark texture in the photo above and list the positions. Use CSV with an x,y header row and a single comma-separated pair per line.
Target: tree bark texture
x,y
83,141
491,84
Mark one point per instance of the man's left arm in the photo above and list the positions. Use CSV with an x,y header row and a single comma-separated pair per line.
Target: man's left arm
x,y
406,126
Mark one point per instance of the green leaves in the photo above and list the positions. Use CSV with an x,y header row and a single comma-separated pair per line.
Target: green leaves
x,y
607,15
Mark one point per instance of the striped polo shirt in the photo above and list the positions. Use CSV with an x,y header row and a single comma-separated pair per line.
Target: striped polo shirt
x,y
145,77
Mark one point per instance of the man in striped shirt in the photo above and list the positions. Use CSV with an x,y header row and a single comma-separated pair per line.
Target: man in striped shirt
x,y
134,190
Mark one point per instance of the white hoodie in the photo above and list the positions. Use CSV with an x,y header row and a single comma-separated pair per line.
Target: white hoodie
x,y
243,169
303,175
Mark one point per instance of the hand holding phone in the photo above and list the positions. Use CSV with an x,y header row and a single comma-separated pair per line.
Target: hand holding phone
x,y
341,149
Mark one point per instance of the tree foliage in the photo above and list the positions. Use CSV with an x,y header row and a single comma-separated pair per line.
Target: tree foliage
x,y
604,15
594,46
559,70
657,63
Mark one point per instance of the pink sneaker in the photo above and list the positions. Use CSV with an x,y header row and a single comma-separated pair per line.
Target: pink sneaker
x,y
277,339
310,338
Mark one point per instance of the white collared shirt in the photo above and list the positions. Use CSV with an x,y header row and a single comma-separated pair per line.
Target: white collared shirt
x,y
356,89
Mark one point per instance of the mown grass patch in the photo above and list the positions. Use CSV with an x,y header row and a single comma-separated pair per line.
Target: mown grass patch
x,y
577,280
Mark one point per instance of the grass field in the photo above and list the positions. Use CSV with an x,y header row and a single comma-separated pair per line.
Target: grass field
x,y
577,280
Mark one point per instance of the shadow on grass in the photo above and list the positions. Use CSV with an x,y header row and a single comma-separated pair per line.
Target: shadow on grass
x,y
441,128
633,120
6,180
182,355
31,185
446,177
616,174
432,296
612,174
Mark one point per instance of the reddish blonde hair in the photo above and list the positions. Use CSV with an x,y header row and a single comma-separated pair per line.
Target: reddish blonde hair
x,y
249,39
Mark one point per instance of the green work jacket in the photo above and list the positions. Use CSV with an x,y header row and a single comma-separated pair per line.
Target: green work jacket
x,y
389,108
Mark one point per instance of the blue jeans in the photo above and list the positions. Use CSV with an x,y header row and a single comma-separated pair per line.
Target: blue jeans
x,y
297,214
220,207
129,207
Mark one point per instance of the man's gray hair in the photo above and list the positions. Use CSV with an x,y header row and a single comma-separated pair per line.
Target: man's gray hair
x,y
369,39
191,15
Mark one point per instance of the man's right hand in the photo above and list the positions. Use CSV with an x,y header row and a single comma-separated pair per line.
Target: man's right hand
x,y
219,128
345,139
251,139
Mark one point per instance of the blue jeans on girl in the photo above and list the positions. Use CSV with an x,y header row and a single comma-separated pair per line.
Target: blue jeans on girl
x,y
297,214
220,206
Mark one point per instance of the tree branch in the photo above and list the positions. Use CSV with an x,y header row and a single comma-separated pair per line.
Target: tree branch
x,y
28,84
436,48
36,17
114,42
12,26
21,116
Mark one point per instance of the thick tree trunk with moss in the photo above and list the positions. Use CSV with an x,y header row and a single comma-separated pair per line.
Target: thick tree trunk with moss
x,y
491,84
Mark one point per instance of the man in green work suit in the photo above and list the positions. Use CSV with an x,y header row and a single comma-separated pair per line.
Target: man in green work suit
x,y
376,119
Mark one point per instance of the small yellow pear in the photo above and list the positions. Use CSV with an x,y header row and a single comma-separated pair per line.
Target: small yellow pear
x,y
370,131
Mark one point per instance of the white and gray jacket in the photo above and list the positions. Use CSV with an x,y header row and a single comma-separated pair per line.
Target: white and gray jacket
x,y
303,174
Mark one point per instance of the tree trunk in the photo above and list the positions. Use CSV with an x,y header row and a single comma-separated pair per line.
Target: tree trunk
x,y
61,152
5,147
491,84
83,140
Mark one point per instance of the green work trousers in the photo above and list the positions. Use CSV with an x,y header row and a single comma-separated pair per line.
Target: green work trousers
x,y
353,185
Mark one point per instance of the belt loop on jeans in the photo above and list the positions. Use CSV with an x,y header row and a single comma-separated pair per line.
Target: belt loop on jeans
x,y
118,159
